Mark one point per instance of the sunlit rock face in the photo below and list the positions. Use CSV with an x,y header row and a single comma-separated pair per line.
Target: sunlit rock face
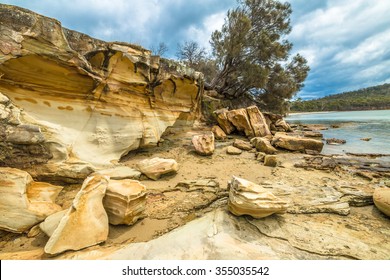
x,y
23,202
247,198
93,101
85,223
125,201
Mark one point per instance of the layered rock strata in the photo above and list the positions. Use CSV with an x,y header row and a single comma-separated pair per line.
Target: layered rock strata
x,y
21,144
293,143
125,201
247,198
87,96
85,223
23,202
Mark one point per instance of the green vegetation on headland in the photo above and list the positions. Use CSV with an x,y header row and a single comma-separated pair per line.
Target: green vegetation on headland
x,y
371,98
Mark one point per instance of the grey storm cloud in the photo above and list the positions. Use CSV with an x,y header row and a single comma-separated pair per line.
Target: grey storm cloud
x,y
346,42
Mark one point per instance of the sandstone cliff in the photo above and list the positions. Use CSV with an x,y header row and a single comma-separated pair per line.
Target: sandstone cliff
x,y
92,101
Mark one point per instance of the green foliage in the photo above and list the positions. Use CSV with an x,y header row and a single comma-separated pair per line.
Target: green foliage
x,y
252,56
372,98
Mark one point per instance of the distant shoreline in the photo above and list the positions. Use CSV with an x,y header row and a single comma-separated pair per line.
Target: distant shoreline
x,y
326,112
307,113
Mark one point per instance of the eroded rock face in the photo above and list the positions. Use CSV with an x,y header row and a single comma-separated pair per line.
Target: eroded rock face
x,y
382,200
23,202
85,223
23,144
87,96
223,121
204,144
242,145
293,143
258,122
218,235
247,198
231,150
72,172
219,134
263,145
240,120
125,201
156,167
276,123
249,121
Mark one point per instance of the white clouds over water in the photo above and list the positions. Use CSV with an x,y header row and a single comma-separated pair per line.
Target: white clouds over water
x,y
345,41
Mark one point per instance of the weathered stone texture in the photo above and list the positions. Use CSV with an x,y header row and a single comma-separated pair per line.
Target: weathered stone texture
x,y
86,222
156,167
247,198
125,201
23,202
204,144
93,100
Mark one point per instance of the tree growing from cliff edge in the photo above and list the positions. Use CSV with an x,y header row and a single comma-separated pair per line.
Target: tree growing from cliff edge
x,y
191,53
160,49
252,54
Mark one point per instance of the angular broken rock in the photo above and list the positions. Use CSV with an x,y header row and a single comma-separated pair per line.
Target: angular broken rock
x,y
247,198
240,119
223,121
382,200
242,145
23,202
258,122
219,134
204,144
263,145
85,223
233,151
125,201
296,144
156,167
281,124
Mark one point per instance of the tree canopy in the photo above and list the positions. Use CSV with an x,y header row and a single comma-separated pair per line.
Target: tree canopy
x,y
252,54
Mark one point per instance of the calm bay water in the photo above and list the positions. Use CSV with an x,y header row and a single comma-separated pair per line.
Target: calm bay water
x,y
353,126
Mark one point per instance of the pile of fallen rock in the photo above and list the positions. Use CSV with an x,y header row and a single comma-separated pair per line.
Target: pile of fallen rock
x,y
110,196
267,134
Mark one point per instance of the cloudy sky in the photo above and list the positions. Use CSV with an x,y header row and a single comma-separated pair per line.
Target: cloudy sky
x,y
347,42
